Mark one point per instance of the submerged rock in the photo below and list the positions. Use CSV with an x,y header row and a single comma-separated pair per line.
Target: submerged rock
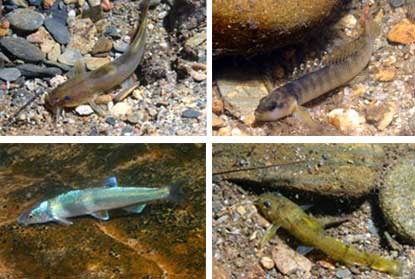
x,y
25,19
397,199
241,27
22,49
337,170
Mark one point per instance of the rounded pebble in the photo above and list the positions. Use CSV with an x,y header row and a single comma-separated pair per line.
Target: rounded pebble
x,y
25,19
58,29
190,113
396,3
84,110
9,74
22,49
70,56
35,71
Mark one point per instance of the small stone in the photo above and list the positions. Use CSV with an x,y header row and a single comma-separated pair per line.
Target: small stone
x,y
288,261
127,131
190,113
25,19
83,32
121,110
9,74
95,13
120,46
84,110
107,5
343,273
135,118
54,53
381,114
70,56
93,63
345,120
22,49
103,45
111,120
217,122
47,4
198,76
35,71
403,33
58,29
349,21
267,263
112,32
249,119
396,3
4,58
20,3
217,106
387,74
225,131
43,38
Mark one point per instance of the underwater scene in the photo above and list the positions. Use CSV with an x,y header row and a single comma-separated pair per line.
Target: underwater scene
x,y
102,211
313,211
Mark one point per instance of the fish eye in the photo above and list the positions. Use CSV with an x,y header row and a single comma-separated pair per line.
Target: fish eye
x,y
30,216
272,105
267,204
66,98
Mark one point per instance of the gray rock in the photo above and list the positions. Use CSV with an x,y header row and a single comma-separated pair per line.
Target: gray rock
x,y
22,49
58,29
343,273
135,118
120,46
61,66
70,56
25,19
4,58
396,197
9,74
32,71
113,32
190,113
396,3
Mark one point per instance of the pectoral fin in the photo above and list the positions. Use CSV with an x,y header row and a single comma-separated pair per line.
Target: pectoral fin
x,y
79,67
137,208
302,114
101,215
62,221
272,230
126,88
111,182
304,250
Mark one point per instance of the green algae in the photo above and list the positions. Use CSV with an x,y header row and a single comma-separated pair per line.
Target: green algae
x,y
166,240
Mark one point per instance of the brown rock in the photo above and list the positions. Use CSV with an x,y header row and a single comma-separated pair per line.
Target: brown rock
x,y
218,272
93,63
267,263
288,261
54,53
47,4
43,38
381,114
102,45
217,106
346,120
386,74
217,122
83,33
225,131
241,26
403,33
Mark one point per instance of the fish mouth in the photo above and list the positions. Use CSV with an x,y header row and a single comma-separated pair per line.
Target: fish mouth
x,y
22,219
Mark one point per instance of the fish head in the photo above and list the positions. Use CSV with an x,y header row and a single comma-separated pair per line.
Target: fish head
x,y
72,93
275,106
39,213
272,205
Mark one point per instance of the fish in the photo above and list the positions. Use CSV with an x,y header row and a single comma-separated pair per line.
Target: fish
x,y
342,66
86,87
96,202
282,212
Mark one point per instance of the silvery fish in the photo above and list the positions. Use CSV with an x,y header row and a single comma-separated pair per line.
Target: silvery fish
x,y
95,202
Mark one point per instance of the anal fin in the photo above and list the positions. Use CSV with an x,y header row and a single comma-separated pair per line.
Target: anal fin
x,y
136,208
62,221
101,215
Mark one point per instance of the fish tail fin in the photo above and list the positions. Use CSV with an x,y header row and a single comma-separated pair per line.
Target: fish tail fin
x,y
138,39
176,194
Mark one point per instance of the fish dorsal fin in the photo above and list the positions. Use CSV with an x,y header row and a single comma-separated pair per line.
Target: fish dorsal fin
x,y
136,208
101,215
79,67
343,52
111,182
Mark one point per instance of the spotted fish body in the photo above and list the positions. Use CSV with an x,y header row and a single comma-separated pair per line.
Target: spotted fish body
x,y
95,202
282,212
285,100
